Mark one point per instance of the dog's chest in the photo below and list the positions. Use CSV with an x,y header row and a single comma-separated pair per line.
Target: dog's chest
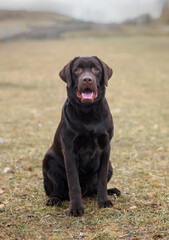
x,y
89,149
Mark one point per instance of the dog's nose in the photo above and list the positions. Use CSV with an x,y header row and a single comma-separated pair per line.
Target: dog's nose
x,y
87,80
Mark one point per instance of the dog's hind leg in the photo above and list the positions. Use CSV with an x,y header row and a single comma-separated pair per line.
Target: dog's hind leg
x,y
55,181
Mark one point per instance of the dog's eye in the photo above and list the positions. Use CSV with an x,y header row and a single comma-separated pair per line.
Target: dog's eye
x,y
78,70
95,70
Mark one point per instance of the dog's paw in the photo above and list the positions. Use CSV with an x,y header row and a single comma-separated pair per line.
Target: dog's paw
x,y
113,191
75,212
105,204
53,201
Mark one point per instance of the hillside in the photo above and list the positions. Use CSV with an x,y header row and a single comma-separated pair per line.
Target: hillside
x,y
23,24
31,16
45,25
16,25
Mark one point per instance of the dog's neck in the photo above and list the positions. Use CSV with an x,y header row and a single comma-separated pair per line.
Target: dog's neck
x,y
85,117
88,112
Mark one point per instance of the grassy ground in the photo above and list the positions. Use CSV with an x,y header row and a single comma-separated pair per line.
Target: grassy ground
x,y
31,99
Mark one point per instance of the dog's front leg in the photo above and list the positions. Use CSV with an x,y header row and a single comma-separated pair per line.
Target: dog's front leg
x,y
76,207
103,200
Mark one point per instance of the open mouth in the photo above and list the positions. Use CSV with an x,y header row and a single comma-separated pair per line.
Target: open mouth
x,y
87,96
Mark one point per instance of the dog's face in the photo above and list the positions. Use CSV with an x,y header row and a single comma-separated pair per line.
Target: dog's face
x,y
86,78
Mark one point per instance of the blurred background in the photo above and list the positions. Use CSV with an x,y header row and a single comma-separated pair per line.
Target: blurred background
x,y
41,19
39,37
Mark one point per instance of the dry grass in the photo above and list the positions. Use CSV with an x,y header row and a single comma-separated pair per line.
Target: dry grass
x,y
31,98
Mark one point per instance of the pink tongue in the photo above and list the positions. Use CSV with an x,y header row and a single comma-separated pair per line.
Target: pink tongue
x,y
87,95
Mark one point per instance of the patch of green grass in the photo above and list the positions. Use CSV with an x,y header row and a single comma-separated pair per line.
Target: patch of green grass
x,y
31,99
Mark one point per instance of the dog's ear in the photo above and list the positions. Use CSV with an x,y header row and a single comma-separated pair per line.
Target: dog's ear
x,y
65,73
107,71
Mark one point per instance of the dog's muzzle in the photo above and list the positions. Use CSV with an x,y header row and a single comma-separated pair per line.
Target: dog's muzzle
x,y
87,88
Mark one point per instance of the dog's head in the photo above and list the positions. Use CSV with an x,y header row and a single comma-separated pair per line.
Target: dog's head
x,y
86,78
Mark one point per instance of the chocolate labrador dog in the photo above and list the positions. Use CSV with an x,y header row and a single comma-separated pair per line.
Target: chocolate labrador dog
x,y
77,164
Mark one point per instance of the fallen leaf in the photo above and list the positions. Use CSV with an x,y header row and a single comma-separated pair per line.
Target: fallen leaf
x,y
45,217
154,205
81,235
159,184
156,236
2,140
39,125
160,149
23,196
116,110
132,207
30,169
2,206
7,169
1,191
91,212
